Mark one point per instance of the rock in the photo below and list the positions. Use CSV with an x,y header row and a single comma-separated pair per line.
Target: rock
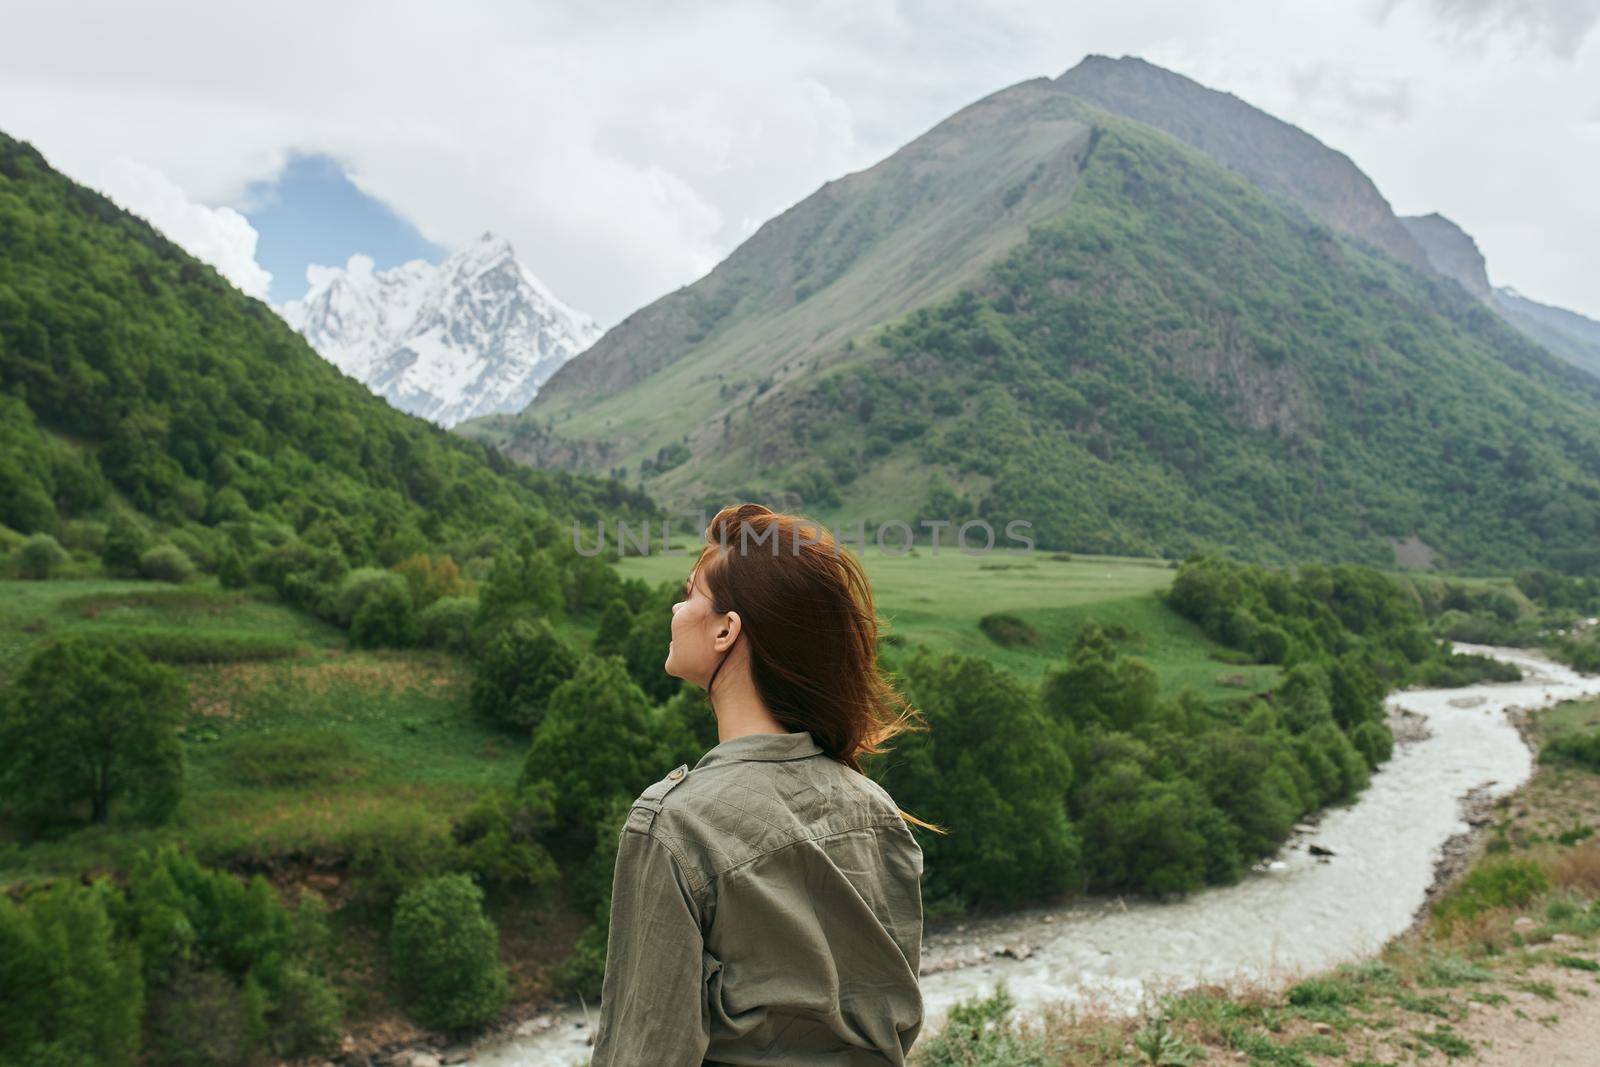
x,y
536,1025
1522,922
416,1058
1319,850
1322,1028
1564,939
454,1054
1020,950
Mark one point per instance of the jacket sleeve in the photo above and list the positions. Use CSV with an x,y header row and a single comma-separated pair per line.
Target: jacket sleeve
x,y
652,1002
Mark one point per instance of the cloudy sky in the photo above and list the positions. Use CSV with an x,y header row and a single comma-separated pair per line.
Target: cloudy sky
x,y
626,147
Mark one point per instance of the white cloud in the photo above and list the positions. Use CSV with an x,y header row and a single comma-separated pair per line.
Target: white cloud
x,y
626,147
218,235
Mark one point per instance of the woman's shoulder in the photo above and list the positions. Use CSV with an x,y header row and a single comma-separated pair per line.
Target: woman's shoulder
x,y
724,815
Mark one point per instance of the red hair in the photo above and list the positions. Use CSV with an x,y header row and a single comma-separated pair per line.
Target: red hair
x,y
806,609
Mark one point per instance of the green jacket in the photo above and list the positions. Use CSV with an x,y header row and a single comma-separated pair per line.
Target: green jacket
x,y
766,908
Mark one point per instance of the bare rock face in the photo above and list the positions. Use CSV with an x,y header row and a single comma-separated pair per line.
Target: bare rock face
x,y
1452,252
1273,155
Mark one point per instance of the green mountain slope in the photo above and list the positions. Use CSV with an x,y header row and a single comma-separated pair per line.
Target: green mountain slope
x,y
860,251
1567,334
131,373
1164,359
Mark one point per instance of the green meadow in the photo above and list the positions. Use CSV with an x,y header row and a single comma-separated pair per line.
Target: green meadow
x,y
938,599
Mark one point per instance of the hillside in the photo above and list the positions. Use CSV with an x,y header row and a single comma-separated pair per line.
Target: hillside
x,y
1144,354
134,375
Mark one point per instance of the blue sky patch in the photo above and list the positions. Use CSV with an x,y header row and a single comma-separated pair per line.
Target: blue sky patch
x,y
312,213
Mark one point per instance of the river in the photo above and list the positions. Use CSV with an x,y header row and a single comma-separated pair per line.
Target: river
x,y
1300,914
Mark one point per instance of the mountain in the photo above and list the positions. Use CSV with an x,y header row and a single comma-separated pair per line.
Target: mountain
x,y
475,335
1278,158
1046,312
134,376
1452,252
1567,334
1290,164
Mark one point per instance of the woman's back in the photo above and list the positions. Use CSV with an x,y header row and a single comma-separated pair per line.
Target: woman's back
x,y
766,908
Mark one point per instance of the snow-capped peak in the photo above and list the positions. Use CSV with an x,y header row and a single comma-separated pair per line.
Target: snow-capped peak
x,y
477,334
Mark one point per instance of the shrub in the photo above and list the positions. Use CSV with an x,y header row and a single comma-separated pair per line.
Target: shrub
x,y
361,585
166,563
1009,631
1375,742
87,724
1580,748
981,1032
446,953
1504,884
447,623
233,961
499,838
385,620
39,556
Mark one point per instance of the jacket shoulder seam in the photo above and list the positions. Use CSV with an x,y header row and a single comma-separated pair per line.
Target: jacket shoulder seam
x,y
872,824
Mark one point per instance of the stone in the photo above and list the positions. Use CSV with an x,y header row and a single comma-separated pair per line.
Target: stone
x,y
455,1054
1322,1028
417,1059
1319,850
1522,922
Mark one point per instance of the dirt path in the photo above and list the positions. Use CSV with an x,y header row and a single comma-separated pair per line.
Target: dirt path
x,y
1531,1030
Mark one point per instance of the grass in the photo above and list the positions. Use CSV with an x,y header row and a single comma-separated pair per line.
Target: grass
x,y
939,601
227,620
314,754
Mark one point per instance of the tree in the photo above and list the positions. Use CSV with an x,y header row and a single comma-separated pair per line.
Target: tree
x,y
125,543
595,744
446,953
517,670
86,724
385,620
1099,687
70,991
611,636
991,769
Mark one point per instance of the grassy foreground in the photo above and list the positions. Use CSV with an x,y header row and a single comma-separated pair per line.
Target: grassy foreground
x,y
1505,969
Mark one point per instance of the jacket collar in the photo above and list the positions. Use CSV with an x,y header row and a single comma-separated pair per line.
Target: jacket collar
x,y
769,747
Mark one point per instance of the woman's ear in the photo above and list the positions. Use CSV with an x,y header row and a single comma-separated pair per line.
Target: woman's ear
x,y
728,631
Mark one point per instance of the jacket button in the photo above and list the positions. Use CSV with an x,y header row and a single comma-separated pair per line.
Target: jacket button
x,y
676,774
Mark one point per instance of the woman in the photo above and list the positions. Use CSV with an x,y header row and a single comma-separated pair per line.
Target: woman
x,y
766,905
